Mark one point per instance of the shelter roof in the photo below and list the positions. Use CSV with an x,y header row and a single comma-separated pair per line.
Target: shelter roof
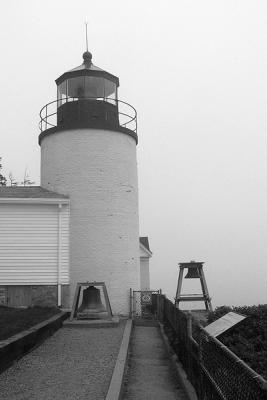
x,y
144,247
144,241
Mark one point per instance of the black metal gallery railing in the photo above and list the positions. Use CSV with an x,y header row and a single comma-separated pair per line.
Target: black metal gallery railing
x,y
127,115
214,371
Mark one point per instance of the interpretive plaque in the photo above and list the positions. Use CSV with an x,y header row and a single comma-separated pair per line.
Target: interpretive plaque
x,y
224,323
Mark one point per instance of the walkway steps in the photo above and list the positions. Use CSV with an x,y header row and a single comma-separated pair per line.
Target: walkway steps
x,y
150,374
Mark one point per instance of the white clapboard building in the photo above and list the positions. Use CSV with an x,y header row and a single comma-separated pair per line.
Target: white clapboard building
x,y
82,223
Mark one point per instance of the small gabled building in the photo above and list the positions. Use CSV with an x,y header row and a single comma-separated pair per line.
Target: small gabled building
x,y
145,254
34,247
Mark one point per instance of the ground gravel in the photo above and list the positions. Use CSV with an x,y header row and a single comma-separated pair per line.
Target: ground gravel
x,y
75,363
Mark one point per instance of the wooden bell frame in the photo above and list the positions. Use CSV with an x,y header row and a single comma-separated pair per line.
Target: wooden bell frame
x,y
204,296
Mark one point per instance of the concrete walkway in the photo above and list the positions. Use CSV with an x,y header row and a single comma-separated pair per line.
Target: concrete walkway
x,y
75,363
150,375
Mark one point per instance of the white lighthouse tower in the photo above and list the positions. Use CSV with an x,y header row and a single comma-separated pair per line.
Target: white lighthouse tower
x,y
88,152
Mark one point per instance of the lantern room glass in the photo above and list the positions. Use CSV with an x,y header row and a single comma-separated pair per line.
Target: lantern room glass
x,y
87,87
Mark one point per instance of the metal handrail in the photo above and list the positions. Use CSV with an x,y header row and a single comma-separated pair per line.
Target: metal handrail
x,y
46,117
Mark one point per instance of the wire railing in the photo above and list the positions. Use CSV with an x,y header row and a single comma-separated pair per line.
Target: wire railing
x,y
215,371
127,114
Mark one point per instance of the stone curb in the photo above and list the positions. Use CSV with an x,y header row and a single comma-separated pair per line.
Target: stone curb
x,y
181,375
116,383
18,345
94,323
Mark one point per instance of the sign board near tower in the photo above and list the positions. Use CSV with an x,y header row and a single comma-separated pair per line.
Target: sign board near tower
x,y
224,323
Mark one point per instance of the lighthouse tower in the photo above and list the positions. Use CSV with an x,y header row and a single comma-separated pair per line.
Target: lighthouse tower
x,y
88,152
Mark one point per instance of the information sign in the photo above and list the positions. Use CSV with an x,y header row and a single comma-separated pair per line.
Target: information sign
x,y
146,298
224,323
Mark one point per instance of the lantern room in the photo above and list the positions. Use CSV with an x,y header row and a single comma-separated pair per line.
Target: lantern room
x,y
87,97
87,82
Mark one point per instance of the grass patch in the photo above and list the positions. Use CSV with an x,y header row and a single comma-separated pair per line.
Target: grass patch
x,y
15,320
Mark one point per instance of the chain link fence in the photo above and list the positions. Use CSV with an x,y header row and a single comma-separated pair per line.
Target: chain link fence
x,y
214,371
144,304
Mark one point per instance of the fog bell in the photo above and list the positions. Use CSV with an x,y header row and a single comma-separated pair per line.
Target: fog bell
x,y
91,305
192,273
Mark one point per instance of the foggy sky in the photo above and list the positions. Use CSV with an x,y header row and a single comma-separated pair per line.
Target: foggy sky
x,y
196,73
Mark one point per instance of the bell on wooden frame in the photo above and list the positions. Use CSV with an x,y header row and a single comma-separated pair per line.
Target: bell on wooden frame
x,y
192,273
91,305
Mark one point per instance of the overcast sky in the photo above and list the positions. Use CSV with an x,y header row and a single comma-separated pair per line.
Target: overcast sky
x,y
196,71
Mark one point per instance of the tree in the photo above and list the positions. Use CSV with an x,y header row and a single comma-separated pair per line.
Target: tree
x,y
27,181
2,178
12,181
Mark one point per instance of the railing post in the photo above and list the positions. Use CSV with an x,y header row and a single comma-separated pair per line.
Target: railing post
x,y
131,303
159,305
189,343
46,117
160,316
162,308
189,324
200,363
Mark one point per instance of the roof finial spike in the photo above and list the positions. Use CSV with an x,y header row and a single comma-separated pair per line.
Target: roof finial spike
x,y
87,56
86,34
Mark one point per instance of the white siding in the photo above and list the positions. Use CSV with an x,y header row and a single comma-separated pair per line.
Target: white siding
x,y
144,273
64,264
29,244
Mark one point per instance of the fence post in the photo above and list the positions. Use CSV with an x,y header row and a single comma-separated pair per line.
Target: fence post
x,y
161,302
131,303
158,305
189,324
161,307
189,343
200,363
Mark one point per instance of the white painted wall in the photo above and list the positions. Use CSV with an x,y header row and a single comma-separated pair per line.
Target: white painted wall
x,y
144,273
97,170
29,244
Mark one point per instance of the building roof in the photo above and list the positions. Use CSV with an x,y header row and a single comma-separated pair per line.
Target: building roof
x,y
144,241
87,64
36,192
87,68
